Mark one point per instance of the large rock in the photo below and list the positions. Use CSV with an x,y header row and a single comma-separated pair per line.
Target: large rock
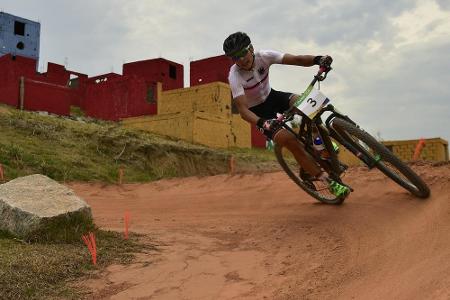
x,y
36,207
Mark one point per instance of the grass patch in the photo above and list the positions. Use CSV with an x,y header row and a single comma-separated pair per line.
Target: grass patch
x,y
62,229
43,270
76,111
65,149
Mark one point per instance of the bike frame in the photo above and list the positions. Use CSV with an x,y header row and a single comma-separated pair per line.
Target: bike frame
x,y
326,131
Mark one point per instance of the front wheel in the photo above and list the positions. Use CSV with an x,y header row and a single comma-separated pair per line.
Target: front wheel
x,y
302,179
384,159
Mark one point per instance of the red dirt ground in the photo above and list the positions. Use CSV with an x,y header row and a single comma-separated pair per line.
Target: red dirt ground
x,y
261,237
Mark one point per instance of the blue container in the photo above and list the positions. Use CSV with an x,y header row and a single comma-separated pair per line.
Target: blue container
x,y
19,36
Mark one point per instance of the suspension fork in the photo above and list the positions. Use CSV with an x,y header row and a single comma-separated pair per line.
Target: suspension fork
x,y
334,160
355,149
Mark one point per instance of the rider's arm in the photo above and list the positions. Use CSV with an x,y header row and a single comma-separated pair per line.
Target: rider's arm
x,y
240,100
246,114
298,60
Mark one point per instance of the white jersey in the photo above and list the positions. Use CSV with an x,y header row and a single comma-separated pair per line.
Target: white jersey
x,y
254,84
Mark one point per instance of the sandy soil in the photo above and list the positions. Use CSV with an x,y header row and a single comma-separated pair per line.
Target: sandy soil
x,y
261,237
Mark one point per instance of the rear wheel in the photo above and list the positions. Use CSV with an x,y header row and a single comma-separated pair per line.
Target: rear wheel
x,y
383,159
314,188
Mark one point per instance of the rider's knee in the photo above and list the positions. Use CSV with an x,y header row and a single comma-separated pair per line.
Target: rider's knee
x,y
292,99
284,137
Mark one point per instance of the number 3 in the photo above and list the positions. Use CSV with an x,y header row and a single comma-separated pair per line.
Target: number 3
x,y
313,102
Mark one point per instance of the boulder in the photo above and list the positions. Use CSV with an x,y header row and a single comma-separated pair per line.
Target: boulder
x,y
36,208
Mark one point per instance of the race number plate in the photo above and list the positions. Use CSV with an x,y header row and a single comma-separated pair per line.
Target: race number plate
x,y
313,103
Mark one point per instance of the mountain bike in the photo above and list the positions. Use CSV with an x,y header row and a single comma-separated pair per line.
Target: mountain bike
x,y
307,112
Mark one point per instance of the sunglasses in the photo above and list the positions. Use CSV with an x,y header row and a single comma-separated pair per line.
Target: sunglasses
x,y
241,53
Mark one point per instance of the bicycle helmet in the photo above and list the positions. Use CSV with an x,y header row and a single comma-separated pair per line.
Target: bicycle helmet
x,y
235,43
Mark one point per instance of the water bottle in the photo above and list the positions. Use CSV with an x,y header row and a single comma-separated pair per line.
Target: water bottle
x,y
318,144
320,148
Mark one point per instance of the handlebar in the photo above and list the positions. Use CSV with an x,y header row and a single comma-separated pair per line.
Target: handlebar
x,y
322,73
320,76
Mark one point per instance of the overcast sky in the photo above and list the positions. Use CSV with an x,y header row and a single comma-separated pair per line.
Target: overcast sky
x,y
391,57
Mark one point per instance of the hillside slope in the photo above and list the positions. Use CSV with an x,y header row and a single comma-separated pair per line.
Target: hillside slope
x,y
68,149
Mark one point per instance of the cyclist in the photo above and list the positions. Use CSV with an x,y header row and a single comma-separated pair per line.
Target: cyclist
x,y
258,103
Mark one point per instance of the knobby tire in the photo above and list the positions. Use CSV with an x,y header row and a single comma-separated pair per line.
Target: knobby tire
x,y
409,179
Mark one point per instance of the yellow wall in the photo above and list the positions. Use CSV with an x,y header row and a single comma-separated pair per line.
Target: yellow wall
x,y
198,127
175,125
435,149
211,131
213,98
200,114
240,135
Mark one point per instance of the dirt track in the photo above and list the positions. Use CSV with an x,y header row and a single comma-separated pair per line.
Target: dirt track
x,y
261,237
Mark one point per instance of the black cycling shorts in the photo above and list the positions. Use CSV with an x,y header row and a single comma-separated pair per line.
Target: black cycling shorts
x,y
276,102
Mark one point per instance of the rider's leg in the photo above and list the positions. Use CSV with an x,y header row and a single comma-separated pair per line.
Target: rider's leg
x,y
292,99
288,140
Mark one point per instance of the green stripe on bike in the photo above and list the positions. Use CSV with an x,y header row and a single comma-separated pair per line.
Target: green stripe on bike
x,y
303,96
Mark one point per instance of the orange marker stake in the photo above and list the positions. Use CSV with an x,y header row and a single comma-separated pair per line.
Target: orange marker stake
x,y
2,178
419,148
89,240
121,175
232,165
94,247
126,223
